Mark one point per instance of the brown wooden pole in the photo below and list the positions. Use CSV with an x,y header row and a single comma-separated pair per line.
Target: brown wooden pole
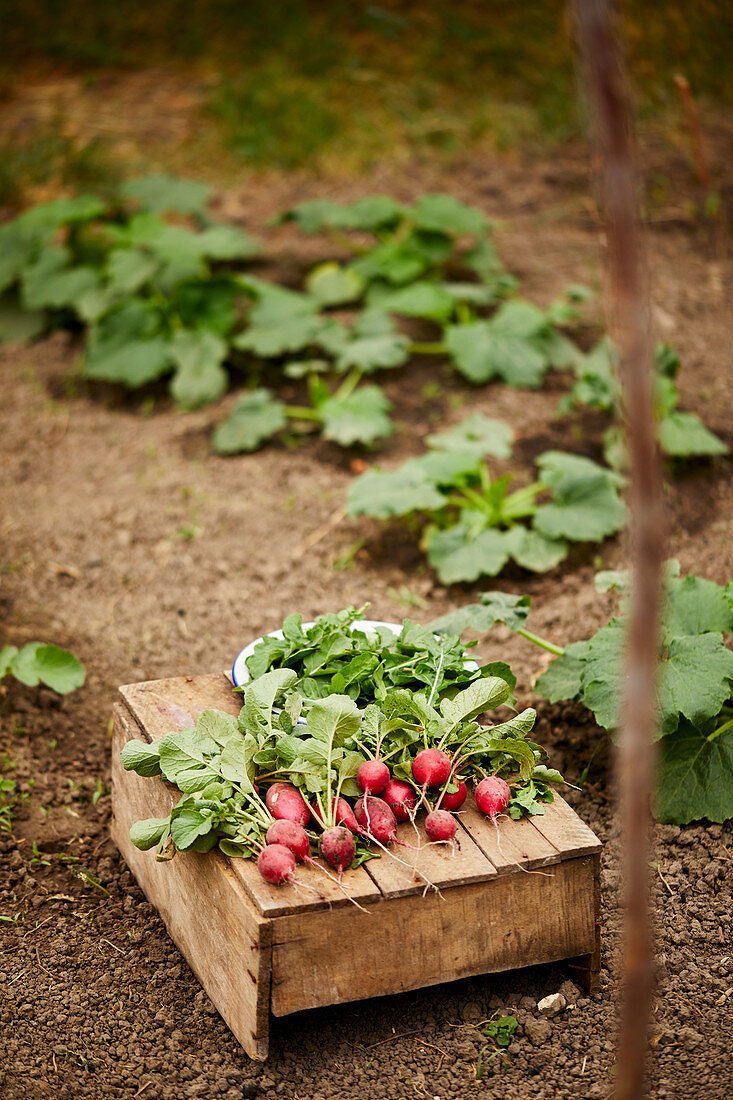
x,y
629,314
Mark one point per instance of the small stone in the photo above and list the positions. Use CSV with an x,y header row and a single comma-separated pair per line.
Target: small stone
x,y
550,1006
537,1031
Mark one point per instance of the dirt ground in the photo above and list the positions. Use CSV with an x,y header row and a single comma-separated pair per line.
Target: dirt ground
x,y
126,540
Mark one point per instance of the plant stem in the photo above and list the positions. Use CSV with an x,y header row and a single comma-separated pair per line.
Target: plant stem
x,y
720,729
298,412
418,348
541,642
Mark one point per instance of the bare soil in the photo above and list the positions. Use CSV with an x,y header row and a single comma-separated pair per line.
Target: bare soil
x,y
127,541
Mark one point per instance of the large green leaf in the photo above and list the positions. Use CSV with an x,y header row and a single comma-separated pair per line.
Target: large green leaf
x,y
127,269
199,378
413,487
227,242
396,262
384,493
48,664
256,417
460,554
695,778
166,194
695,679
186,759
280,321
684,435
695,606
420,299
52,281
495,607
585,505
483,694
332,285
479,435
507,346
360,417
372,353
128,346
440,213
563,677
535,551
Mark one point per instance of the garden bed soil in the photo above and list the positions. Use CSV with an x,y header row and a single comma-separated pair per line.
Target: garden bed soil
x,y
127,541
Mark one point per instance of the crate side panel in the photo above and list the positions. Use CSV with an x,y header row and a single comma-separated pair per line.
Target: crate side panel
x,y
405,943
202,903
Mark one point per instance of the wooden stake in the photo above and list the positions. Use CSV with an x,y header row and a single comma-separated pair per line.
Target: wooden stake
x,y
629,313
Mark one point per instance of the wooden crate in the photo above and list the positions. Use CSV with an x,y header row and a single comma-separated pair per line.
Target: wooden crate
x,y
530,897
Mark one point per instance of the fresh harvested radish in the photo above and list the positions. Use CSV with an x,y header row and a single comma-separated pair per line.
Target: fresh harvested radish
x,y
372,776
431,768
276,864
492,796
455,800
343,815
440,825
286,803
400,798
338,847
291,835
376,819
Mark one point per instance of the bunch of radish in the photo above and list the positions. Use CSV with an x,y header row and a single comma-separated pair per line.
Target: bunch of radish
x,y
385,802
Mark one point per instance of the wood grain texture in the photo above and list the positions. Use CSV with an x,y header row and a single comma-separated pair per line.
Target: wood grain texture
x,y
516,845
562,827
406,872
406,943
206,912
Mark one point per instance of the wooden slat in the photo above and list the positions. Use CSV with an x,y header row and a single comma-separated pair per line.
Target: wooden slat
x,y
562,827
406,943
435,863
316,892
518,845
206,912
164,705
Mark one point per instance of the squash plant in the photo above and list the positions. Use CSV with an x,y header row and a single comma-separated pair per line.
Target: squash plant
x,y
473,523
694,693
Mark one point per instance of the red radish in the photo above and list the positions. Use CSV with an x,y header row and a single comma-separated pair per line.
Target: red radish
x,y
400,798
372,776
286,803
376,819
290,835
492,796
440,825
338,847
344,815
455,800
431,768
276,864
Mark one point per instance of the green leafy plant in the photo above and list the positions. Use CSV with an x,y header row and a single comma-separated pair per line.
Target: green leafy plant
x,y
473,524
38,663
681,435
157,297
321,701
695,715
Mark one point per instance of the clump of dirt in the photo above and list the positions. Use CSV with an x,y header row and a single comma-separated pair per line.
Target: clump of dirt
x,y
126,540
